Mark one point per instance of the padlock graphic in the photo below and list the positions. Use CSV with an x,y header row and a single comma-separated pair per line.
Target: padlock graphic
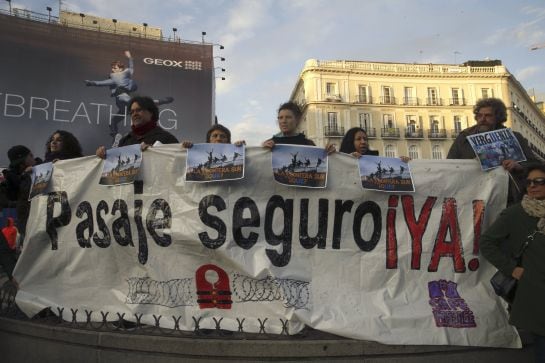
x,y
213,288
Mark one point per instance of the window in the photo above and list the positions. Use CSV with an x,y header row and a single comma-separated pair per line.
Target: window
x,y
432,96
413,152
390,151
436,152
410,96
388,121
434,124
365,121
387,95
486,93
330,89
457,124
457,98
411,124
332,120
365,94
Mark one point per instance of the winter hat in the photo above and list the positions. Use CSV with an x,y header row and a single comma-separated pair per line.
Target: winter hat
x,y
17,155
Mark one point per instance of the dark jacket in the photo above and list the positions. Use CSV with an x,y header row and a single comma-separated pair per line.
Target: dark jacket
x,y
502,241
155,134
299,139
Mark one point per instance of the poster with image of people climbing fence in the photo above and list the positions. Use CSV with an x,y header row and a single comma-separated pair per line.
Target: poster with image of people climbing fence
x,y
354,262
214,162
385,174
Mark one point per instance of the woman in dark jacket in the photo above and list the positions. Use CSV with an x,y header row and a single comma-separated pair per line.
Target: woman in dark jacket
x,y
62,145
356,143
504,239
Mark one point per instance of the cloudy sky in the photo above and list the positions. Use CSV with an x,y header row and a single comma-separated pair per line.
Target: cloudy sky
x,y
268,41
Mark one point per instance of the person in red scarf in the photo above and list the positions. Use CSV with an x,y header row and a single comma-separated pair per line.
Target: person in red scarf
x,y
145,129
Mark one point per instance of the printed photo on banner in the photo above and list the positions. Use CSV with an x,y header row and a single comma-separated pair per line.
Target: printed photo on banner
x,y
385,174
121,166
493,147
41,175
302,166
214,162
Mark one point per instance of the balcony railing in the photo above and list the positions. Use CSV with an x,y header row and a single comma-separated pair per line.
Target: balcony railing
x,y
434,102
334,131
389,133
332,97
437,134
410,101
454,133
363,99
387,100
457,101
414,134
371,132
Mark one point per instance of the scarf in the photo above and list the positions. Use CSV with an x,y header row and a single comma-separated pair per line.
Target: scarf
x,y
535,208
144,129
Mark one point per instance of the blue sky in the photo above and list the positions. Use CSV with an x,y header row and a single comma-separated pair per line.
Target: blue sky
x,y
268,41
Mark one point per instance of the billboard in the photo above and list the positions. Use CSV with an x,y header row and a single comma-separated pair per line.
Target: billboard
x,y
78,80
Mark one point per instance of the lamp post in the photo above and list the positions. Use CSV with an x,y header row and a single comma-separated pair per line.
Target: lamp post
x,y
48,8
115,25
174,30
82,15
222,69
220,58
455,53
203,34
145,29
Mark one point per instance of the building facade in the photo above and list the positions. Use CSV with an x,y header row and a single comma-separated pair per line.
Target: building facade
x,y
415,110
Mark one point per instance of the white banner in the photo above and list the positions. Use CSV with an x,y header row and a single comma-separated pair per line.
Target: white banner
x,y
397,268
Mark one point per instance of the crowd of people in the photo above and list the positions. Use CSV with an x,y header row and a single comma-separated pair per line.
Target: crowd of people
x,y
526,196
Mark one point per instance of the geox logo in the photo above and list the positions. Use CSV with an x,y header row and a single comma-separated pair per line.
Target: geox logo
x,y
164,62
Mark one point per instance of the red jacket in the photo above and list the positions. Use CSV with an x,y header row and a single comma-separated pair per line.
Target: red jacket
x,y
10,232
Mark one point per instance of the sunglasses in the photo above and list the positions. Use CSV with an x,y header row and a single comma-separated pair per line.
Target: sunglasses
x,y
536,181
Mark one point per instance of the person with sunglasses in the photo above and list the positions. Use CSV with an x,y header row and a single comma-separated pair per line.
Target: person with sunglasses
x,y
504,239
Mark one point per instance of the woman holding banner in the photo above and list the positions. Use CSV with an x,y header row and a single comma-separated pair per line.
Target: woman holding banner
x,y
504,239
62,145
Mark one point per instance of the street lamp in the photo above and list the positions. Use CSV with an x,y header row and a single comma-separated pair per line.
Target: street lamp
x,y
48,8
82,15
203,34
220,58
145,29
115,25
456,52
9,1
222,78
174,30
222,69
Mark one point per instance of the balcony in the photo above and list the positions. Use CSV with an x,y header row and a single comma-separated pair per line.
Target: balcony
x,y
454,133
414,133
389,133
332,97
363,99
333,131
387,100
437,134
434,102
457,101
410,101
371,132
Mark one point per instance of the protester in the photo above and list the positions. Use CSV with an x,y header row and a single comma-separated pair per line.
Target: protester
x,y
217,134
356,143
62,145
7,258
19,181
490,114
289,118
504,239
145,129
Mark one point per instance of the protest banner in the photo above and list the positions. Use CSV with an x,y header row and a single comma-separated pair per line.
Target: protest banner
x,y
397,268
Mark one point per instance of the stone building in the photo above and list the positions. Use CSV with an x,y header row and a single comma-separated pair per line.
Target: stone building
x,y
415,110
